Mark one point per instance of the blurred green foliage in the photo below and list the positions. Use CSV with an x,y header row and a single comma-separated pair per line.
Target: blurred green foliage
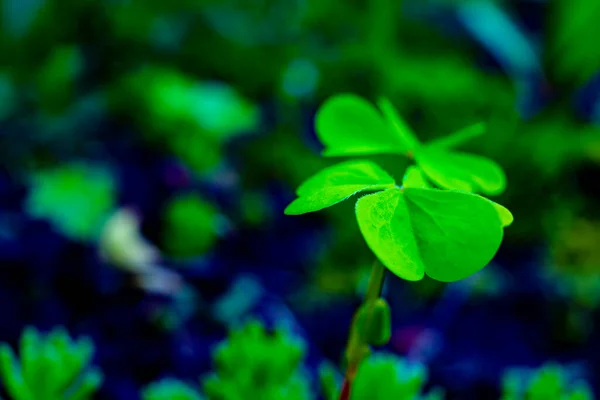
x,y
170,389
56,79
189,118
189,226
51,367
250,363
550,381
389,377
76,198
572,56
258,364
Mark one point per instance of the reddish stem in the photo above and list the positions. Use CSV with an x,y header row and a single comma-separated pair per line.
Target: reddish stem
x,y
345,394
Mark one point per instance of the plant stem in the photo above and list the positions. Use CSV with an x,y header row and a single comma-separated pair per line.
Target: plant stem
x,y
357,350
375,282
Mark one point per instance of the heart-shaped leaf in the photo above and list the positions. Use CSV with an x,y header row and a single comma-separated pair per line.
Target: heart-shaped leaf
x,y
349,125
337,183
460,171
445,234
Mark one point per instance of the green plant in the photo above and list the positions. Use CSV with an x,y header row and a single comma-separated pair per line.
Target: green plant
x,y
551,381
256,364
414,229
383,376
403,380
251,364
52,367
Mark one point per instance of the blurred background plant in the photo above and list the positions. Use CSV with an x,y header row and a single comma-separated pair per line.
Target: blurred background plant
x,y
148,149
50,367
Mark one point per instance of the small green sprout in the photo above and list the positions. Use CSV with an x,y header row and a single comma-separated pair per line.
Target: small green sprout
x,y
551,381
52,367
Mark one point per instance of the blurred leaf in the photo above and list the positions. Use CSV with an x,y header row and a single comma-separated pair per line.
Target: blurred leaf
x,y
550,381
170,389
461,171
56,78
570,52
337,183
447,235
255,364
328,381
52,367
389,377
189,226
75,198
349,125
222,111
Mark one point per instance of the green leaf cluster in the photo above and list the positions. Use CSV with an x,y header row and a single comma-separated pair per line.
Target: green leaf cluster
x,y
389,377
251,364
254,363
449,232
551,381
51,367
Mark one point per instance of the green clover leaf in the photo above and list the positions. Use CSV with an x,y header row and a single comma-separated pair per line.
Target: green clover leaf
x,y
337,183
348,125
447,235
461,171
